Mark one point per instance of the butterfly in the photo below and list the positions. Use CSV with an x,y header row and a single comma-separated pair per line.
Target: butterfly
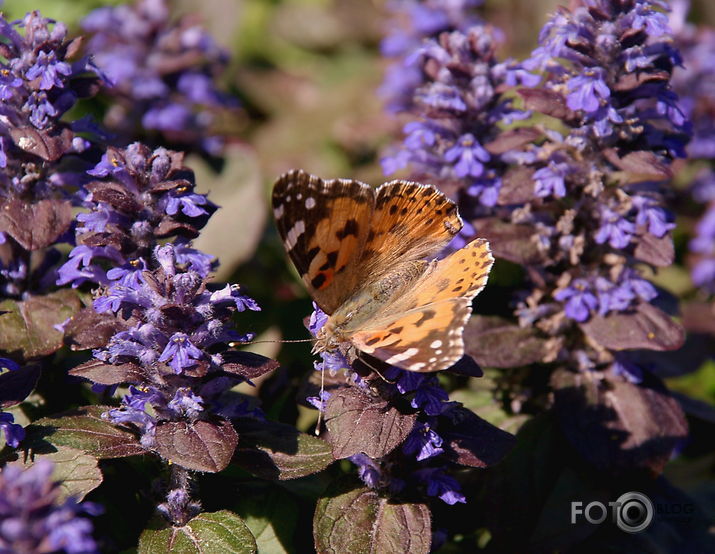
x,y
362,254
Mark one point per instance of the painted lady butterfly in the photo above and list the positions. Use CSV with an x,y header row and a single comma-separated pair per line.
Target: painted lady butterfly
x,y
361,253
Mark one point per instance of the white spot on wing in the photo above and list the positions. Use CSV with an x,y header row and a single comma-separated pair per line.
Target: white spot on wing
x,y
436,344
293,235
309,203
402,356
278,212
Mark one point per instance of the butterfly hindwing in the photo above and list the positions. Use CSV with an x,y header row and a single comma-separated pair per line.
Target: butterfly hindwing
x,y
324,225
424,339
461,274
422,330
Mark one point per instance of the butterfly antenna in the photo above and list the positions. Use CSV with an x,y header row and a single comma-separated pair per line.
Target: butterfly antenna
x,y
320,398
271,341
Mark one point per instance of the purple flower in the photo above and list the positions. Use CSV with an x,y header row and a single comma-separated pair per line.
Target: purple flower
x,y
613,297
430,397
158,203
414,22
163,73
34,519
368,470
186,404
628,370
14,433
189,204
580,301
441,485
319,402
586,91
180,353
176,320
550,180
317,320
231,293
48,68
614,229
467,156
653,216
423,441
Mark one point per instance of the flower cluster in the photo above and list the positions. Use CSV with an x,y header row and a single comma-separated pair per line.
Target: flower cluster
x,y
600,188
459,108
417,402
175,354
39,83
578,197
34,519
162,74
412,22
695,85
143,196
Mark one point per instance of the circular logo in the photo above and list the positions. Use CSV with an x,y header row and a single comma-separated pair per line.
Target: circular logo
x,y
634,512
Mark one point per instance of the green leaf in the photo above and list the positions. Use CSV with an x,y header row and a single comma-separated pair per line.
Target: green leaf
x,y
85,430
349,519
277,451
77,472
271,514
28,326
209,533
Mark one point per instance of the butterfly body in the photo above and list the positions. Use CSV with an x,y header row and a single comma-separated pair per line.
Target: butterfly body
x,y
361,254
360,309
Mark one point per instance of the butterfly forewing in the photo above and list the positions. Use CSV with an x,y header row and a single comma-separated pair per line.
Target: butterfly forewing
x,y
411,222
324,225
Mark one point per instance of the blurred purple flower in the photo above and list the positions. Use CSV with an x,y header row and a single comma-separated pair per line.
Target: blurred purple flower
x,y
163,74
34,519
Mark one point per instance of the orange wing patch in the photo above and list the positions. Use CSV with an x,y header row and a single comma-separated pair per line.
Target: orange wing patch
x,y
324,225
463,273
428,338
411,222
